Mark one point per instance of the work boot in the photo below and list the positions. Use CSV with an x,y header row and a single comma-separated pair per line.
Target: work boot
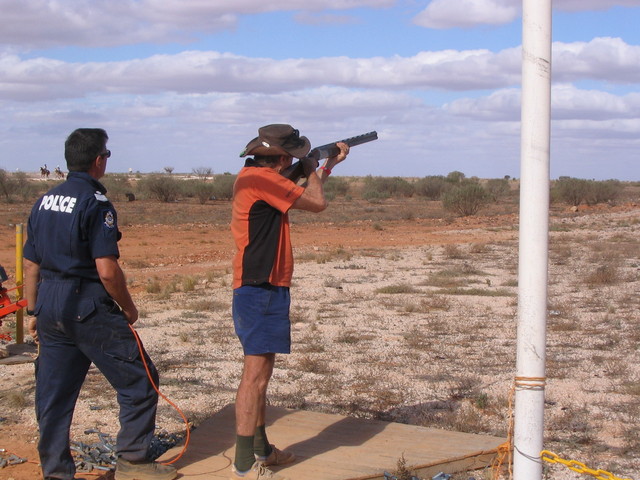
x,y
126,470
258,472
276,457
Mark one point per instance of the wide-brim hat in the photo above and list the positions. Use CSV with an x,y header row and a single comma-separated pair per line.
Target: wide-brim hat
x,y
278,139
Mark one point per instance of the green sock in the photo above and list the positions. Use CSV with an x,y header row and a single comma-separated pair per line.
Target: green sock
x,y
261,445
244,453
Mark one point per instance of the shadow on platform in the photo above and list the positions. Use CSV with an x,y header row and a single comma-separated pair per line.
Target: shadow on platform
x,y
334,447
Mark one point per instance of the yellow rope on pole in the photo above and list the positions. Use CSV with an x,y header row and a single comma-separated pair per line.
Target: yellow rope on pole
x,y
19,283
530,383
505,450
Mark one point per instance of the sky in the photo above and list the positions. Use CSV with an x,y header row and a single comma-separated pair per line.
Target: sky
x,y
187,83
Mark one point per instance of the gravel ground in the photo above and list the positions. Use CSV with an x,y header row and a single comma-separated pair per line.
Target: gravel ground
x,y
422,334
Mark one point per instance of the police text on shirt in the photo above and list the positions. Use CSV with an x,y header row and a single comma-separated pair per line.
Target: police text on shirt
x,y
58,203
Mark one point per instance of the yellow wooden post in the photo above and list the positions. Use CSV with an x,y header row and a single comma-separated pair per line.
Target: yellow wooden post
x,y
19,283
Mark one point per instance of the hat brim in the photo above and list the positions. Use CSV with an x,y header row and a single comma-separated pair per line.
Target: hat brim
x,y
260,146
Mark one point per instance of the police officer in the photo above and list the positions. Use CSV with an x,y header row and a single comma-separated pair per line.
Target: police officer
x,y
82,309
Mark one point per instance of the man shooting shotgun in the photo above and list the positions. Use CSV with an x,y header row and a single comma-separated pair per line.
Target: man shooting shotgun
x,y
262,270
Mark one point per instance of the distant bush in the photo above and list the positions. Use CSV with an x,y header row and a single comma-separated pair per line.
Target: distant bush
x,y
117,185
200,189
455,177
223,186
574,191
466,199
6,186
203,172
497,188
160,187
431,187
335,186
385,187
603,192
571,191
16,185
374,196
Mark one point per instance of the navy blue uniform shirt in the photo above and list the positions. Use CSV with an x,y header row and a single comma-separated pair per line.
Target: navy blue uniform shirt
x,y
70,226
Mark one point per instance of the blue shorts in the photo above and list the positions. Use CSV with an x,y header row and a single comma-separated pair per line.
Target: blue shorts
x,y
261,318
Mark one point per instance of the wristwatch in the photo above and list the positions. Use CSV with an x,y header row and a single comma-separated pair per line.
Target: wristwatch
x,y
31,313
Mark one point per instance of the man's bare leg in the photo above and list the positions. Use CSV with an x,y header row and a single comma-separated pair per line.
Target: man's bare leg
x,y
251,404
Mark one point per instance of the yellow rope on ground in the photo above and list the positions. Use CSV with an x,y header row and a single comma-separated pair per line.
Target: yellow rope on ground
x,y
579,467
505,450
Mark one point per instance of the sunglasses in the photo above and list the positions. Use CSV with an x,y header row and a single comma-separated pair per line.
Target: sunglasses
x,y
106,154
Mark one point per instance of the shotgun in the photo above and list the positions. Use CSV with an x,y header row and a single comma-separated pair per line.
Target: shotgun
x,y
295,171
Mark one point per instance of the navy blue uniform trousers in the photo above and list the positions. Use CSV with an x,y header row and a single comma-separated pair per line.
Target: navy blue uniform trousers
x,y
79,324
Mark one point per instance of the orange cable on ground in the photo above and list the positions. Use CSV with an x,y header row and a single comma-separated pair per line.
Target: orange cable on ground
x,y
155,387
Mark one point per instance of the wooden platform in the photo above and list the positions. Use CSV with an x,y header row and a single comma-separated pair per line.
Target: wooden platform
x,y
333,447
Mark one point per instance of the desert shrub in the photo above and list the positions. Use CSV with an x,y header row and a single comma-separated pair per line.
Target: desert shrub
x,y
497,188
24,188
203,191
335,186
16,185
403,472
466,199
455,177
386,187
431,187
200,189
396,289
571,191
117,185
161,187
6,184
602,192
223,186
203,172
574,191
603,275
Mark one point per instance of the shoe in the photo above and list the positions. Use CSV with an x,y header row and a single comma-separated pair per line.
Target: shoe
x,y
126,470
258,472
276,457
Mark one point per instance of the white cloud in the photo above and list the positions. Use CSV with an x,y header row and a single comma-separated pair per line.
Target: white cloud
x,y
603,59
567,103
202,72
609,59
443,14
467,13
478,136
90,23
502,105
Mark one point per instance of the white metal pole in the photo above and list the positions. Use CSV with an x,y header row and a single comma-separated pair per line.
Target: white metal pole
x,y
533,242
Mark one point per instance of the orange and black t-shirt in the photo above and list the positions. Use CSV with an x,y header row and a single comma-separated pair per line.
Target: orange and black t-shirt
x,y
260,226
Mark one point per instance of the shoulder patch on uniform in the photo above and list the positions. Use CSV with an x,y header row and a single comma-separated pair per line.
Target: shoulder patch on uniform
x,y
109,219
101,197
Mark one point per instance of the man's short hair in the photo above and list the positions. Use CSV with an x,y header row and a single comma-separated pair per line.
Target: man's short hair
x,y
266,160
83,146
